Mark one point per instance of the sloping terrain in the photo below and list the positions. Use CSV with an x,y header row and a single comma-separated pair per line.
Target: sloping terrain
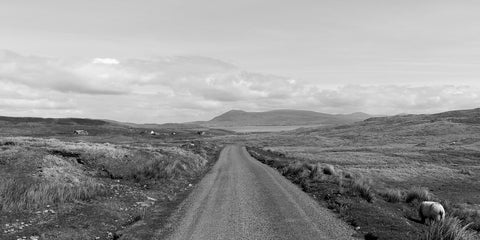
x,y
385,165
117,181
52,189
281,118
99,129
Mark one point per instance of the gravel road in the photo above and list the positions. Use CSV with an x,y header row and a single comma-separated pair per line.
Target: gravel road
x,y
244,199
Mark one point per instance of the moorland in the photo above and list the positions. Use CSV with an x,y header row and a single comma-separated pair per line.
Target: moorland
x,y
375,172
112,181
124,181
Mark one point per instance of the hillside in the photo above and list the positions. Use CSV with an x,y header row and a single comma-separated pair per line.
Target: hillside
x,y
282,118
372,171
64,127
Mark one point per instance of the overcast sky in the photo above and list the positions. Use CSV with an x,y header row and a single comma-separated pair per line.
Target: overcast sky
x,y
176,61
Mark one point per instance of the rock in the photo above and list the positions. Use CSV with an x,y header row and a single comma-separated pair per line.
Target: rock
x,y
151,199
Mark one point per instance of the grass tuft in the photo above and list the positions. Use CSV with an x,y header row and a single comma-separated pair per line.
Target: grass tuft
x,y
451,228
364,188
417,193
19,194
329,170
392,195
470,216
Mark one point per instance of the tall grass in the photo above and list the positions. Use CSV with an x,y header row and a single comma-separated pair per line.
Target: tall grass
x,y
471,216
392,195
143,164
451,228
364,188
18,194
417,193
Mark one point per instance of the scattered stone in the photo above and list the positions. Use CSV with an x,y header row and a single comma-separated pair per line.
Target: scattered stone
x,y
151,199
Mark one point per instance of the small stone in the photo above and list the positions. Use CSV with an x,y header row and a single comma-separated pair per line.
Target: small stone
x,y
151,199
190,185
357,228
34,237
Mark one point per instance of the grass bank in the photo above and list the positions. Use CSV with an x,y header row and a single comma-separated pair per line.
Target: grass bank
x,y
56,189
374,211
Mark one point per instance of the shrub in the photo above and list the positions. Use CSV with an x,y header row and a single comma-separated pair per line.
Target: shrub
x,y
364,188
416,193
392,195
315,172
451,228
329,170
293,169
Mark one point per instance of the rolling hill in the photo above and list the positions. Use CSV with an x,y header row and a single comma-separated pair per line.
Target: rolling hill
x,y
281,118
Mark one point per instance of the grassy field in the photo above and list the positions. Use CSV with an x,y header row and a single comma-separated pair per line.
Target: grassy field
x,y
96,187
375,172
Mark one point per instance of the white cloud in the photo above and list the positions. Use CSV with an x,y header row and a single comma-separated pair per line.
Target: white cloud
x,y
193,88
108,61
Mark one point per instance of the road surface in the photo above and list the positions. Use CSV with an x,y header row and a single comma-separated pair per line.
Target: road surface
x,y
244,199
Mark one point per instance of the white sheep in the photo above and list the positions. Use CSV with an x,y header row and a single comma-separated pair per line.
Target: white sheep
x,y
431,210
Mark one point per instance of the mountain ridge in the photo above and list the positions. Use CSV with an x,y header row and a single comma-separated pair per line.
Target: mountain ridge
x,y
281,117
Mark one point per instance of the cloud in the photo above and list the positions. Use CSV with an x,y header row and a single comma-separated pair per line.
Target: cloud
x,y
108,61
187,88
393,99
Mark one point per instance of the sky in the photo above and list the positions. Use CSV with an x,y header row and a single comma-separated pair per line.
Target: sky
x,y
157,61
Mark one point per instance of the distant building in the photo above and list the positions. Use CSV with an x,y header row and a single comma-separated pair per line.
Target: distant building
x,y
80,132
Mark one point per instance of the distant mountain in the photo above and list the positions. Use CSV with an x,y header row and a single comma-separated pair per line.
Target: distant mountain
x,y
157,126
281,118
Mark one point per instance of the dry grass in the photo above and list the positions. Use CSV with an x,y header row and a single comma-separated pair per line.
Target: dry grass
x,y
470,216
392,195
451,228
18,194
38,172
364,188
419,194
329,170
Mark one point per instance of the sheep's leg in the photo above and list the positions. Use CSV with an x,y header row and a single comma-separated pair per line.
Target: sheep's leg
x,y
422,217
